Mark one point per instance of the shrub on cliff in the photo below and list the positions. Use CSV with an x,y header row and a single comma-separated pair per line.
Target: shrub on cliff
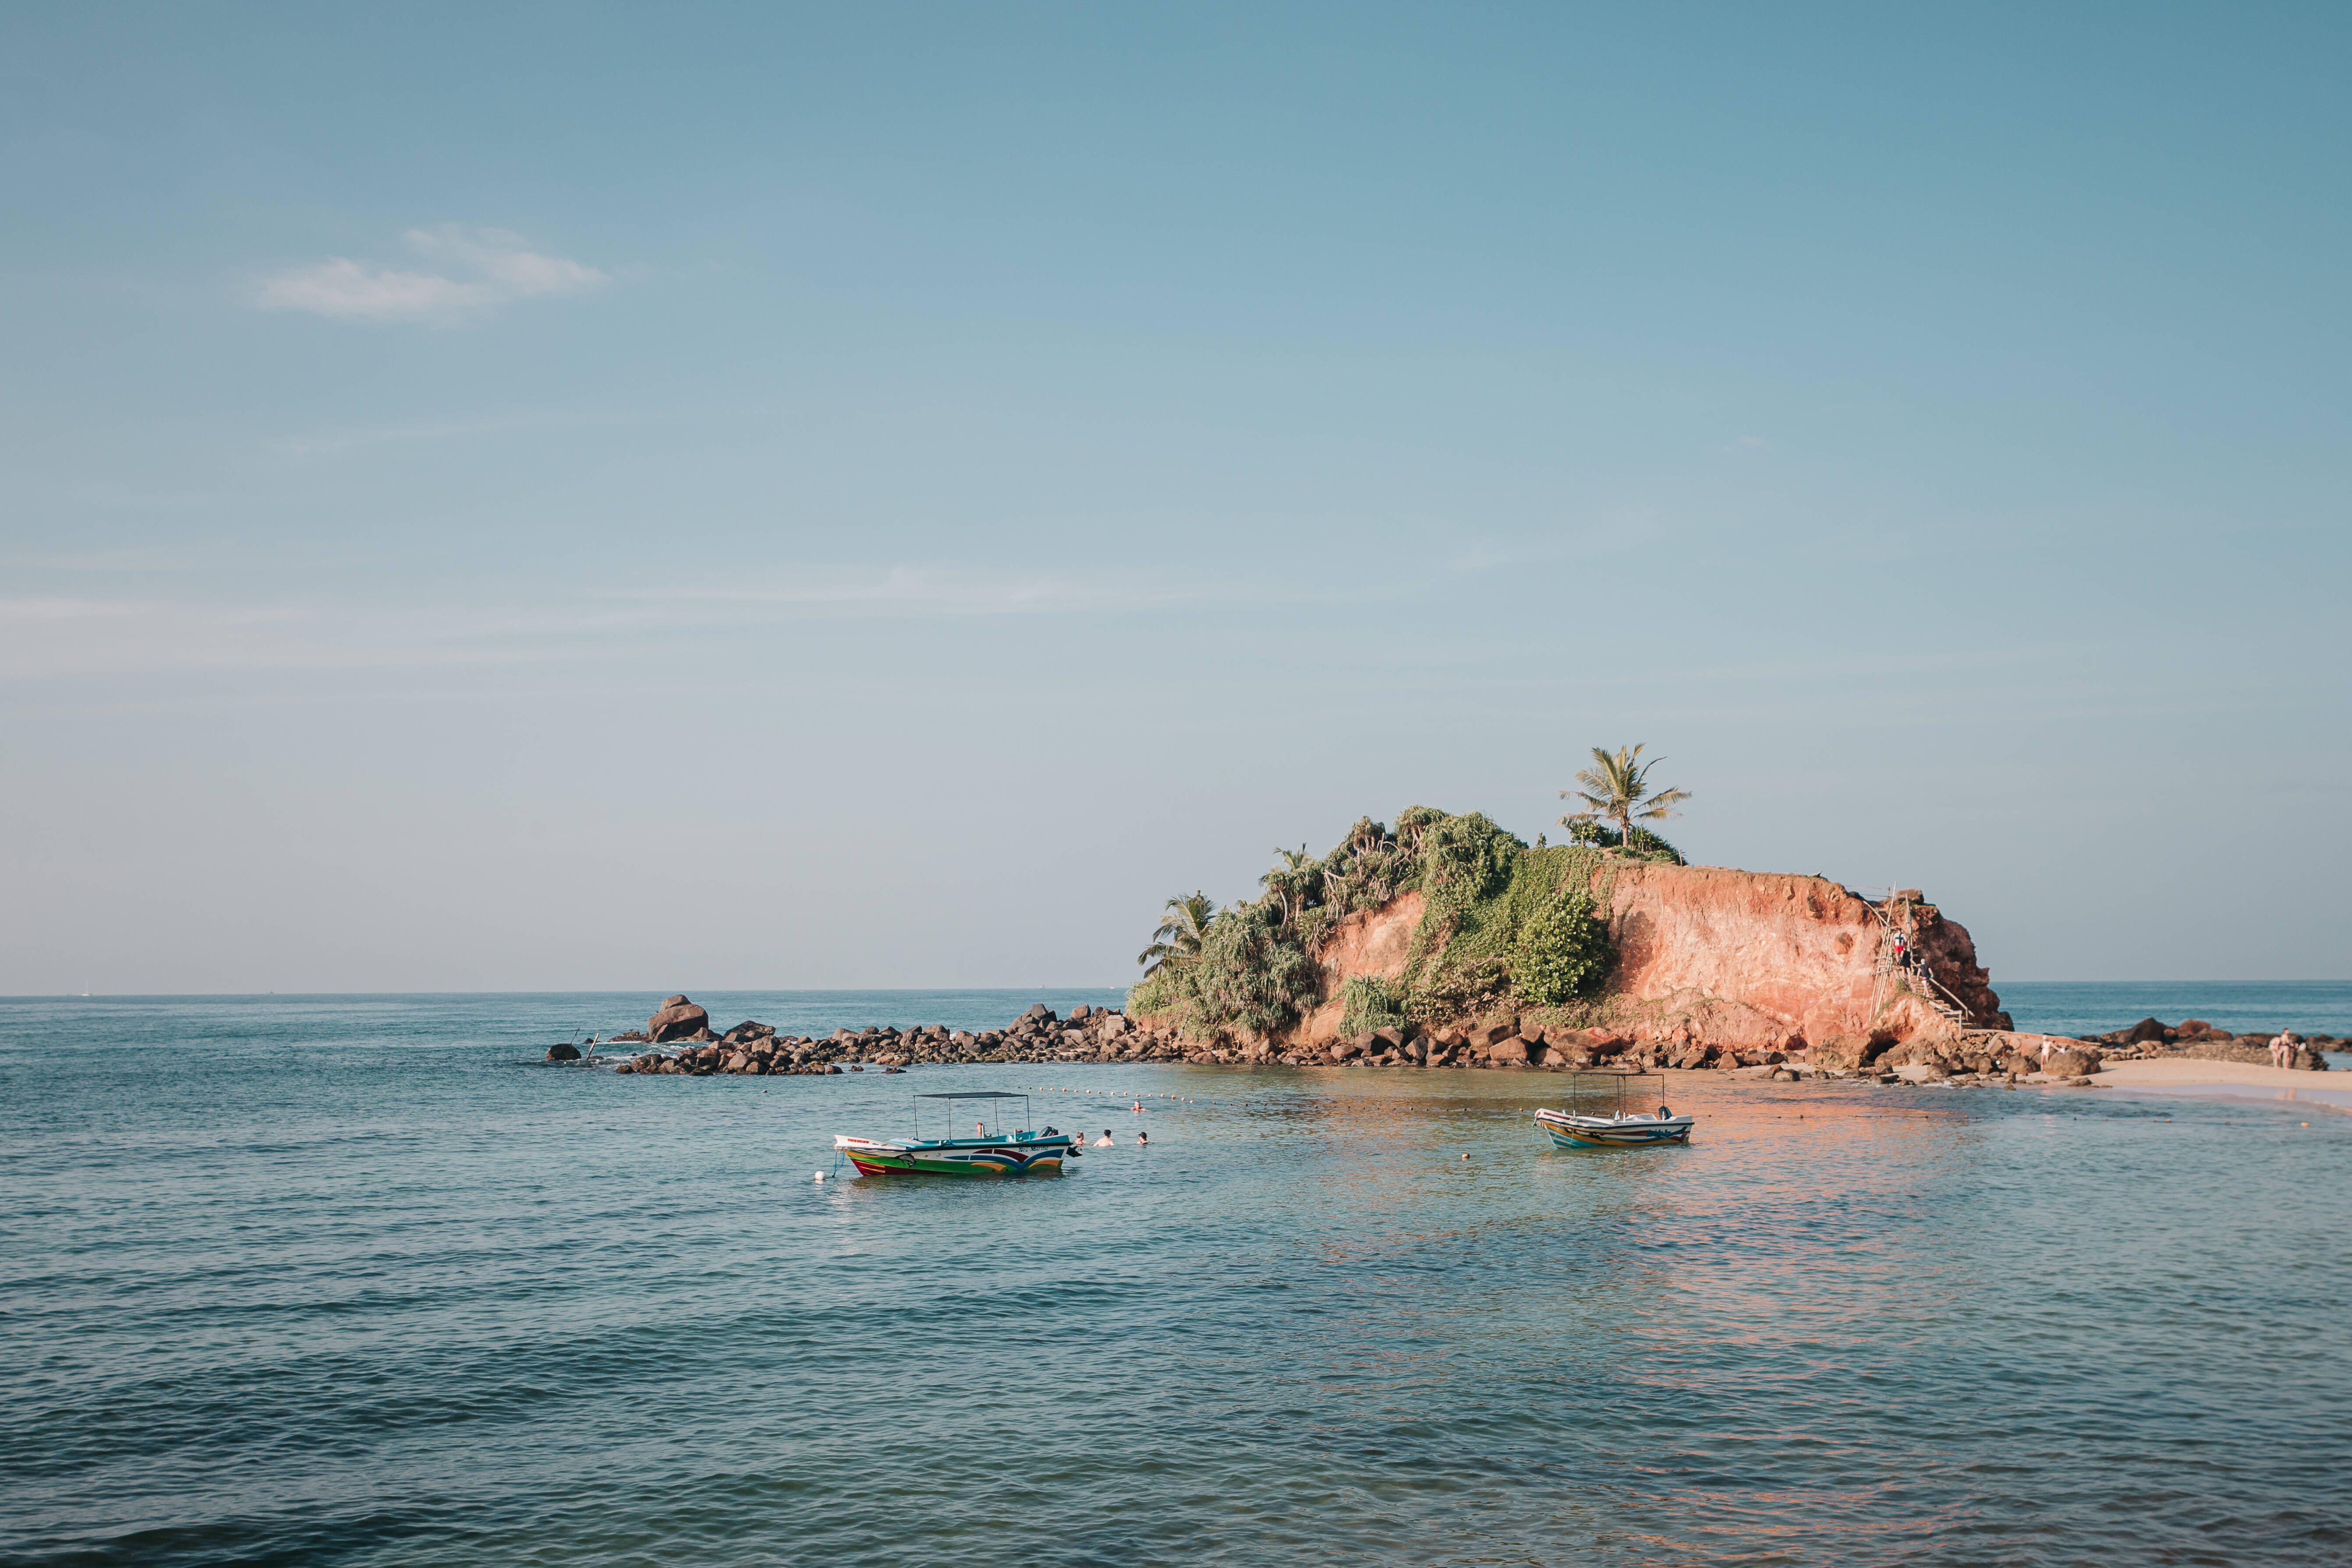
x,y
1591,830
1252,975
1519,941
1562,950
1503,923
1466,859
1370,1004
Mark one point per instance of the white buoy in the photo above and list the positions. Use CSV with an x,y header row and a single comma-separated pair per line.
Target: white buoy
x,y
820,1175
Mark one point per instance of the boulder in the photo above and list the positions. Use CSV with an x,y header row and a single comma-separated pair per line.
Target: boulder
x,y
1913,1053
2076,1061
563,1053
2146,1029
1492,1034
677,1001
1509,1050
1840,1053
1389,1036
678,1019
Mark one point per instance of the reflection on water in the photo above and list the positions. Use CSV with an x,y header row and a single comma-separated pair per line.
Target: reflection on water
x,y
329,1303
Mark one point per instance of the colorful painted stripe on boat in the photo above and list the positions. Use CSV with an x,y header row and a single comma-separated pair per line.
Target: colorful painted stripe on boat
x,y
1591,1133
977,1160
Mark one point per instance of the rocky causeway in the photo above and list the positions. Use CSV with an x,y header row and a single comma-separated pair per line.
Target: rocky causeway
x,y
1508,1044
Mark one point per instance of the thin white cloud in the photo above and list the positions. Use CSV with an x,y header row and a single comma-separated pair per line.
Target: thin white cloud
x,y
59,636
478,270
967,591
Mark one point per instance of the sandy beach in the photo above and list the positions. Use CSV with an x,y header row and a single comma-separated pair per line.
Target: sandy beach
x,y
2231,1080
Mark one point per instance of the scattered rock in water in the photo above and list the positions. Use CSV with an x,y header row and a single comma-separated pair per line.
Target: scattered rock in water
x,y
563,1053
678,1019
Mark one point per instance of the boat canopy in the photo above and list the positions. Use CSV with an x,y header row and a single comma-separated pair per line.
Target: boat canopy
x,y
990,1096
1604,1094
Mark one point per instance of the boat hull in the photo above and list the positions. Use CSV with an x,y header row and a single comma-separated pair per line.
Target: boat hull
x,y
1612,1133
960,1157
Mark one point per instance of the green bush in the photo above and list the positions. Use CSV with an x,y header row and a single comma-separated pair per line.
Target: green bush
x,y
1504,924
1157,995
1252,975
1370,1004
1600,834
1562,950
1465,859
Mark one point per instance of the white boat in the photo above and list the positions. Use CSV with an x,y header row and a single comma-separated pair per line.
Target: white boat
x,y
1598,1117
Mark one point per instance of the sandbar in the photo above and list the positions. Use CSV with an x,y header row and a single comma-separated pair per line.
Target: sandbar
x,y
2229,1081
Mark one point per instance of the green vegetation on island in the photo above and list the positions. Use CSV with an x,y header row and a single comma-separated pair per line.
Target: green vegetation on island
x,y
1505,924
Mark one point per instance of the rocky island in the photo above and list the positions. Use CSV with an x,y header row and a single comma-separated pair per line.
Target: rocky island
x,y
1447,942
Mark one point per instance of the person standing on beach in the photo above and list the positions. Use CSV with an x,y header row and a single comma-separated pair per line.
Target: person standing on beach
x,y
2283,1050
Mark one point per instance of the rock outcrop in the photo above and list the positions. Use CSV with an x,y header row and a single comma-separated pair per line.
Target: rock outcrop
x,y
2196,1040
1087,1034
678,1019
1728,963
1763,961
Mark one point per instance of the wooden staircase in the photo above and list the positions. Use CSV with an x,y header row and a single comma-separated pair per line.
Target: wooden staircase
x,y
1910,972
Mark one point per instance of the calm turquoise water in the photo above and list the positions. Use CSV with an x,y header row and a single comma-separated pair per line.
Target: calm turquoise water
x,y
351,1280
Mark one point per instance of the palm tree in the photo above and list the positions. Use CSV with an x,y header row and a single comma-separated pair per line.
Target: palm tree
x,y
1618,787
1179,937
1282,882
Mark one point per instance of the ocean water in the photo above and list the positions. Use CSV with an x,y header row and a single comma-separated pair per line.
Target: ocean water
x,y
2242,1007
356,1281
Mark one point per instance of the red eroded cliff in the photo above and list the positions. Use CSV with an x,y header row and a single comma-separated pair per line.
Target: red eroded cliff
x,y
1740,959
1747,958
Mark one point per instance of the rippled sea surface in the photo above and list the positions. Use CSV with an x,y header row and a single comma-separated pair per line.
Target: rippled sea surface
x,y
355,1281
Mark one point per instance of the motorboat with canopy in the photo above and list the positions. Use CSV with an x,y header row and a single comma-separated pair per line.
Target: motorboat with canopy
x,y
1601,1112
991,1151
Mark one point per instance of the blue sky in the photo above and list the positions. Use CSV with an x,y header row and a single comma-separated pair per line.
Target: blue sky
x,y
564,497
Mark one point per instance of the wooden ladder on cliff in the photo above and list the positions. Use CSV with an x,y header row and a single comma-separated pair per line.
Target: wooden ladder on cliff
x,y
1914,978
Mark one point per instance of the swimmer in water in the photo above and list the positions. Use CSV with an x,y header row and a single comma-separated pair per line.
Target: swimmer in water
x,y
1104,1142
1143,1140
